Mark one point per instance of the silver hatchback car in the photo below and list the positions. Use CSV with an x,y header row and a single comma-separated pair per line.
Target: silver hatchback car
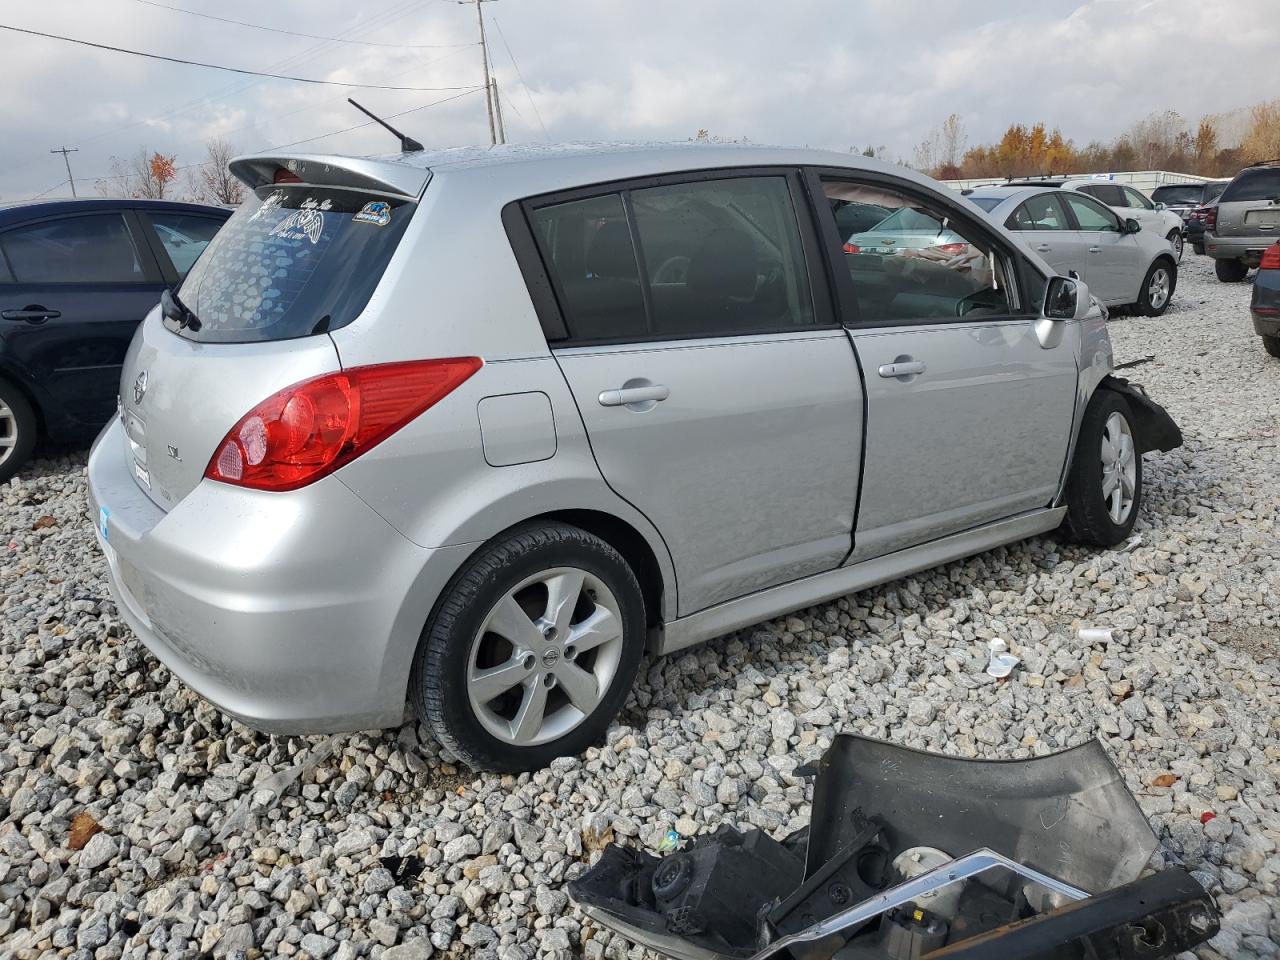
x,y
472,431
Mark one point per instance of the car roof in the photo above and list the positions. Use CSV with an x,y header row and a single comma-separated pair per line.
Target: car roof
x,y
34,210
515,171
1010,193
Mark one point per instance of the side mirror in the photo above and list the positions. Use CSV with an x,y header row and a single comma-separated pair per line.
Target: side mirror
x,y
1159,205
1131,226
1066,299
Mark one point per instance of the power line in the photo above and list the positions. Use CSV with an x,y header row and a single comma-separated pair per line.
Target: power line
x,y
369,123
527,92
214,66
309,36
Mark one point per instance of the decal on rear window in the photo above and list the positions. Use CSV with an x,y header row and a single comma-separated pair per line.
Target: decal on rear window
x,y
377,212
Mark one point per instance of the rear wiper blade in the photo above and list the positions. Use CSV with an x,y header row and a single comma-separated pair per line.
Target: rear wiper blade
x,y
177,311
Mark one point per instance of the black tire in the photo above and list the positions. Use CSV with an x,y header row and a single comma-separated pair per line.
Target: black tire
x,y
1175,238
1145,304
1230,271
438,683
1198,248
18,426
1088,520
1271,345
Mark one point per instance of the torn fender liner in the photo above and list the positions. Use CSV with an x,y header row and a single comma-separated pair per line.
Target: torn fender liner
x,y
1156,429
914,855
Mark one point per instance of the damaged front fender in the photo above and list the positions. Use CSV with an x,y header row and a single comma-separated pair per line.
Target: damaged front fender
x,y
915,855
1155,429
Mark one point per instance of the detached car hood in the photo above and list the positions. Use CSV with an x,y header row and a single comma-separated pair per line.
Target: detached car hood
x,y
917,855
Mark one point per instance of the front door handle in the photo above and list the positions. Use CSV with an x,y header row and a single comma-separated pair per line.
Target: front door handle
x,y
31,314
901,368
1043,248
626,396
1095,249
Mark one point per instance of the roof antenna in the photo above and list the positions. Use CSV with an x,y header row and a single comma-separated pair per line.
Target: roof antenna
x,y
407,144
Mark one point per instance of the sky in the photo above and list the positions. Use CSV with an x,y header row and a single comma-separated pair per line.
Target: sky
x,y
823,73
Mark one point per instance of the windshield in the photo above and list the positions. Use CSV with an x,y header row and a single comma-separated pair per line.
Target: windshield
x,y
1254,185
1191,193
293,261
987,203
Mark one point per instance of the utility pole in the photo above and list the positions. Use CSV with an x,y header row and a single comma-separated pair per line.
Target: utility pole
x,y
66,151
496,134
497,112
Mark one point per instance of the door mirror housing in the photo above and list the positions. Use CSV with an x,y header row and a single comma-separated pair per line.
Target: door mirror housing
x,y
1159,205
1131,225
1066,299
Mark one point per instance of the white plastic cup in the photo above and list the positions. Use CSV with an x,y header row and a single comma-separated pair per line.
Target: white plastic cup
x,y
1095,635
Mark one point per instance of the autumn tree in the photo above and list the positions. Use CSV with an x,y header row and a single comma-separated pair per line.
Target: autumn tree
x,y
1262,140
212,181
143,176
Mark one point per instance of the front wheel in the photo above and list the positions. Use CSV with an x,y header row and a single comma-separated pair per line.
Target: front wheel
x,y
1271,345
1175,238
532,649
1230,271
1104,488
1157,288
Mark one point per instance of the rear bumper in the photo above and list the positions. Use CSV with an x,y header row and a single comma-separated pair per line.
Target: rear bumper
x,y
1248,249
294,613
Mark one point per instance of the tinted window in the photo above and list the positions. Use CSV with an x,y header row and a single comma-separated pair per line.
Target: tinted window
x,y
918,263
6,275
1178,193
722,256
292,261
1212,191
586,245
1090,214
719,257
1041,212
1134,199
855,217
94,249
986,203
1258,184
1112,196
184,236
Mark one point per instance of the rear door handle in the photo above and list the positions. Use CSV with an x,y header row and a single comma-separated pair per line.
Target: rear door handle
x,y
1043,248
1095,249
628,395
901,368
31,315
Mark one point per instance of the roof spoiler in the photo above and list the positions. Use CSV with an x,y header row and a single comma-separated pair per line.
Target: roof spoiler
x,y
375,176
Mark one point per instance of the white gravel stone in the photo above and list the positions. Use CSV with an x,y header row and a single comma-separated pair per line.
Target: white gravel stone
x,y
1189,685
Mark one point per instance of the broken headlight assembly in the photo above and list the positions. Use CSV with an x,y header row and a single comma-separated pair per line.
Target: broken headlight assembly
x,y
918,856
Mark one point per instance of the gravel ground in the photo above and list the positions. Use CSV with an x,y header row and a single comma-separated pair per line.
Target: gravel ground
x,y
1186,695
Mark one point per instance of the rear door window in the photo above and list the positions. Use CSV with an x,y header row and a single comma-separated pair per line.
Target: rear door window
x,y
293,261
1041,212
1259,184
1136,200
183,236
1111,195
704,258
1091,215
87,249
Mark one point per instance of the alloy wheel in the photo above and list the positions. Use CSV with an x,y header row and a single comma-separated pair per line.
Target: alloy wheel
x,y
1178,244
1158,288
1119,468
545,656
8,432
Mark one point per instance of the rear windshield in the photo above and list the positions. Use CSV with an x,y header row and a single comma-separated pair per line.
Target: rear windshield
x,y
1212,191
293,261
987,203
1191,193
1253,185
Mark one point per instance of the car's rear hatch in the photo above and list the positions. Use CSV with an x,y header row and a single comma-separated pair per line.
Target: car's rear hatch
x,y
1250,206
301,257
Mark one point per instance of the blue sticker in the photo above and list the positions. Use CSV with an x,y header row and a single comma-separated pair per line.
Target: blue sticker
x,y
377,212
103,514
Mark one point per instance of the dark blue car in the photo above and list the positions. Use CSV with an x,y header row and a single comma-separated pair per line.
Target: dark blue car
x,y
76,277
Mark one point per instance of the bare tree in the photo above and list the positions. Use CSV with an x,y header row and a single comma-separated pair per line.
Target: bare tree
x,y
146,176
212,181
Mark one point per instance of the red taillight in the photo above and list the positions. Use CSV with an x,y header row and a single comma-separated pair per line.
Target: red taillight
x,y
852,248
1211,218
285,176
1270,258
308,430
951,249
1198,213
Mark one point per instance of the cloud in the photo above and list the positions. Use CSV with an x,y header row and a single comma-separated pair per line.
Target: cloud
x,y
820,72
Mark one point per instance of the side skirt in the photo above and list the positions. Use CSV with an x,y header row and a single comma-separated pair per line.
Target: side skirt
x,y
819,588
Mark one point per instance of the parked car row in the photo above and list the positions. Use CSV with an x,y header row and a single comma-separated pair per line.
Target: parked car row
x,y
473,432
75,279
